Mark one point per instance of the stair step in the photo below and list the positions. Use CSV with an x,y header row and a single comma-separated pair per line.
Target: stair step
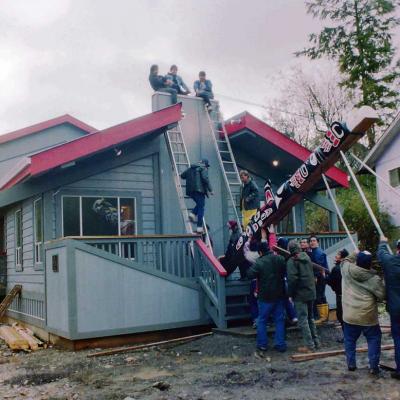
x,y
238,317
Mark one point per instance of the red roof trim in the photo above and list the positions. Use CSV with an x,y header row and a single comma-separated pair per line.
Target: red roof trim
x,y
29,130
248,121
92,143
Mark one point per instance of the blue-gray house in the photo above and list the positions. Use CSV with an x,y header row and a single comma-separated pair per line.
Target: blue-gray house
x,y
93,228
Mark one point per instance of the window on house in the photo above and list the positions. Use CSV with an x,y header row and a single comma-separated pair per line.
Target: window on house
x,y
18,238
38,229
98,216
394,177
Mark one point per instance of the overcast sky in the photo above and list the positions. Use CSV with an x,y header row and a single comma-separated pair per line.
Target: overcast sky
x,y
91,58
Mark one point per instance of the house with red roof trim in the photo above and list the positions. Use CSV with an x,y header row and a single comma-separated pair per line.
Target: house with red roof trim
x,y
93,228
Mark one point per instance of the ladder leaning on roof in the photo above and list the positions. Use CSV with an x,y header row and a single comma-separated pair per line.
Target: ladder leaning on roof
x,y
226,161
180,162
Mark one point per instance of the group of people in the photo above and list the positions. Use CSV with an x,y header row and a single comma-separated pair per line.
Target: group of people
x,y
357,286
173,84
295,285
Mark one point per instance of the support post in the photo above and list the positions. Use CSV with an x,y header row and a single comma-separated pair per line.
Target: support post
x,y
364,199
339,214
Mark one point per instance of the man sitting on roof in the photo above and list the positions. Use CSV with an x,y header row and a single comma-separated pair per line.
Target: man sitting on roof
x,y
161,84
203,89
177,81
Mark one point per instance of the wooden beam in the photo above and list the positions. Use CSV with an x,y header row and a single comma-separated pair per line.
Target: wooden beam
x,y
145,346
324,354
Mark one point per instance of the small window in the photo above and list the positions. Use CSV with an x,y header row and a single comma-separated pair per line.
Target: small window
x,y
38,224
394,177
18,239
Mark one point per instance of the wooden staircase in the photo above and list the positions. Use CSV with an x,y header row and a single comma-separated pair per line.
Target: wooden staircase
x,y
16,290
237,300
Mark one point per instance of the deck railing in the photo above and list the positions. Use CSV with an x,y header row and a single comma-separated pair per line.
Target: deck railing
x,y
212,280
171,254
326,239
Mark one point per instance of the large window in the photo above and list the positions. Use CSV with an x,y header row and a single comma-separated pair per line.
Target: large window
x,y
18,239
394,177
38,229
98,216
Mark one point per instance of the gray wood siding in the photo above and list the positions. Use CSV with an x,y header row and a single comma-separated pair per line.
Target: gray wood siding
x,y
31,279
136,177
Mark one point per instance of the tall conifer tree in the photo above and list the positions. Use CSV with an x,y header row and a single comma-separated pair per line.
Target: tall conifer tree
x,y
360,40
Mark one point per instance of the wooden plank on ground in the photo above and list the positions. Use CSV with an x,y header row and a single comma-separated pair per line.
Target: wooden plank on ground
x,y
13,339
324,354
145,346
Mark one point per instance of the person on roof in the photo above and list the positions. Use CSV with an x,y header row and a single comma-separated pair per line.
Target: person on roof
x,y
249,197
198,187
301,288
160,83
391,269
362,288
203,89
177,81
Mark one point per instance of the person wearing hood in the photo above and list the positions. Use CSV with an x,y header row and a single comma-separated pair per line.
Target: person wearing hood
x,y
269,269
334,280
362,288
301,288
249,197
198,187
391,269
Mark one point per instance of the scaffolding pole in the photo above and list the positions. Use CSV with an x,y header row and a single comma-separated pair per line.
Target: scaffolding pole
x,y
338,212
364,199
375,174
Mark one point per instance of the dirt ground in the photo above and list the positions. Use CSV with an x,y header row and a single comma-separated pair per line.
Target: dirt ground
x,y
214,367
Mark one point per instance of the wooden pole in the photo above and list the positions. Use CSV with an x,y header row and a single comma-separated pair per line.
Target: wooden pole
x,y
145,346
324,354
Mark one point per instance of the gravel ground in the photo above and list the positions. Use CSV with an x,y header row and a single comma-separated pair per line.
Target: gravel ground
x,y
214,367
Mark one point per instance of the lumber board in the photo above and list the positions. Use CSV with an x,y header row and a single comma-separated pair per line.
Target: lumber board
x,y
331,353
13,339
145,346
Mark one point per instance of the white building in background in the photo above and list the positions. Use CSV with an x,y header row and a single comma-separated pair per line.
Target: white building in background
x,y
384,158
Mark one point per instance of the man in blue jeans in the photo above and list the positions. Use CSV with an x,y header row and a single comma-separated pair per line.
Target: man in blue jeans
x,y
198,187
391,270
270,271
362,288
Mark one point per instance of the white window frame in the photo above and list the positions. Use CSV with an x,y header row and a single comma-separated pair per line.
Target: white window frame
x,y
38,245
18,249
98,196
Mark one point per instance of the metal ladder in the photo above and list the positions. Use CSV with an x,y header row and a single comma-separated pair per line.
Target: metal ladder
x,y
227,162
180,162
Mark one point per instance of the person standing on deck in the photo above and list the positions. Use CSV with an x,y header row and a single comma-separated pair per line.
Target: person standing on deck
x,y
198,187
249,197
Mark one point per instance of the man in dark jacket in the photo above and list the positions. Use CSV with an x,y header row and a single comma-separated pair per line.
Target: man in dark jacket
x,y
269,269
301,288
391,270
160,83
198,187
334,280
317,255
249,197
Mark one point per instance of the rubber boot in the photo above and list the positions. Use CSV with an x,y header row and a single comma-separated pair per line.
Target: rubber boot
x,y
323,311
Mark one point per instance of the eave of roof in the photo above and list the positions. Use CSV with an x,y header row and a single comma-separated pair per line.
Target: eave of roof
x,y
92,143
380,147
29,130
247,121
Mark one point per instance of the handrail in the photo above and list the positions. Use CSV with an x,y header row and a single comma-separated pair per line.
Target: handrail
x,y
213,260
322,233
119,237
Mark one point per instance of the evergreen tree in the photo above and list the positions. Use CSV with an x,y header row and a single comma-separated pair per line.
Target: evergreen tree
x,y
360,39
